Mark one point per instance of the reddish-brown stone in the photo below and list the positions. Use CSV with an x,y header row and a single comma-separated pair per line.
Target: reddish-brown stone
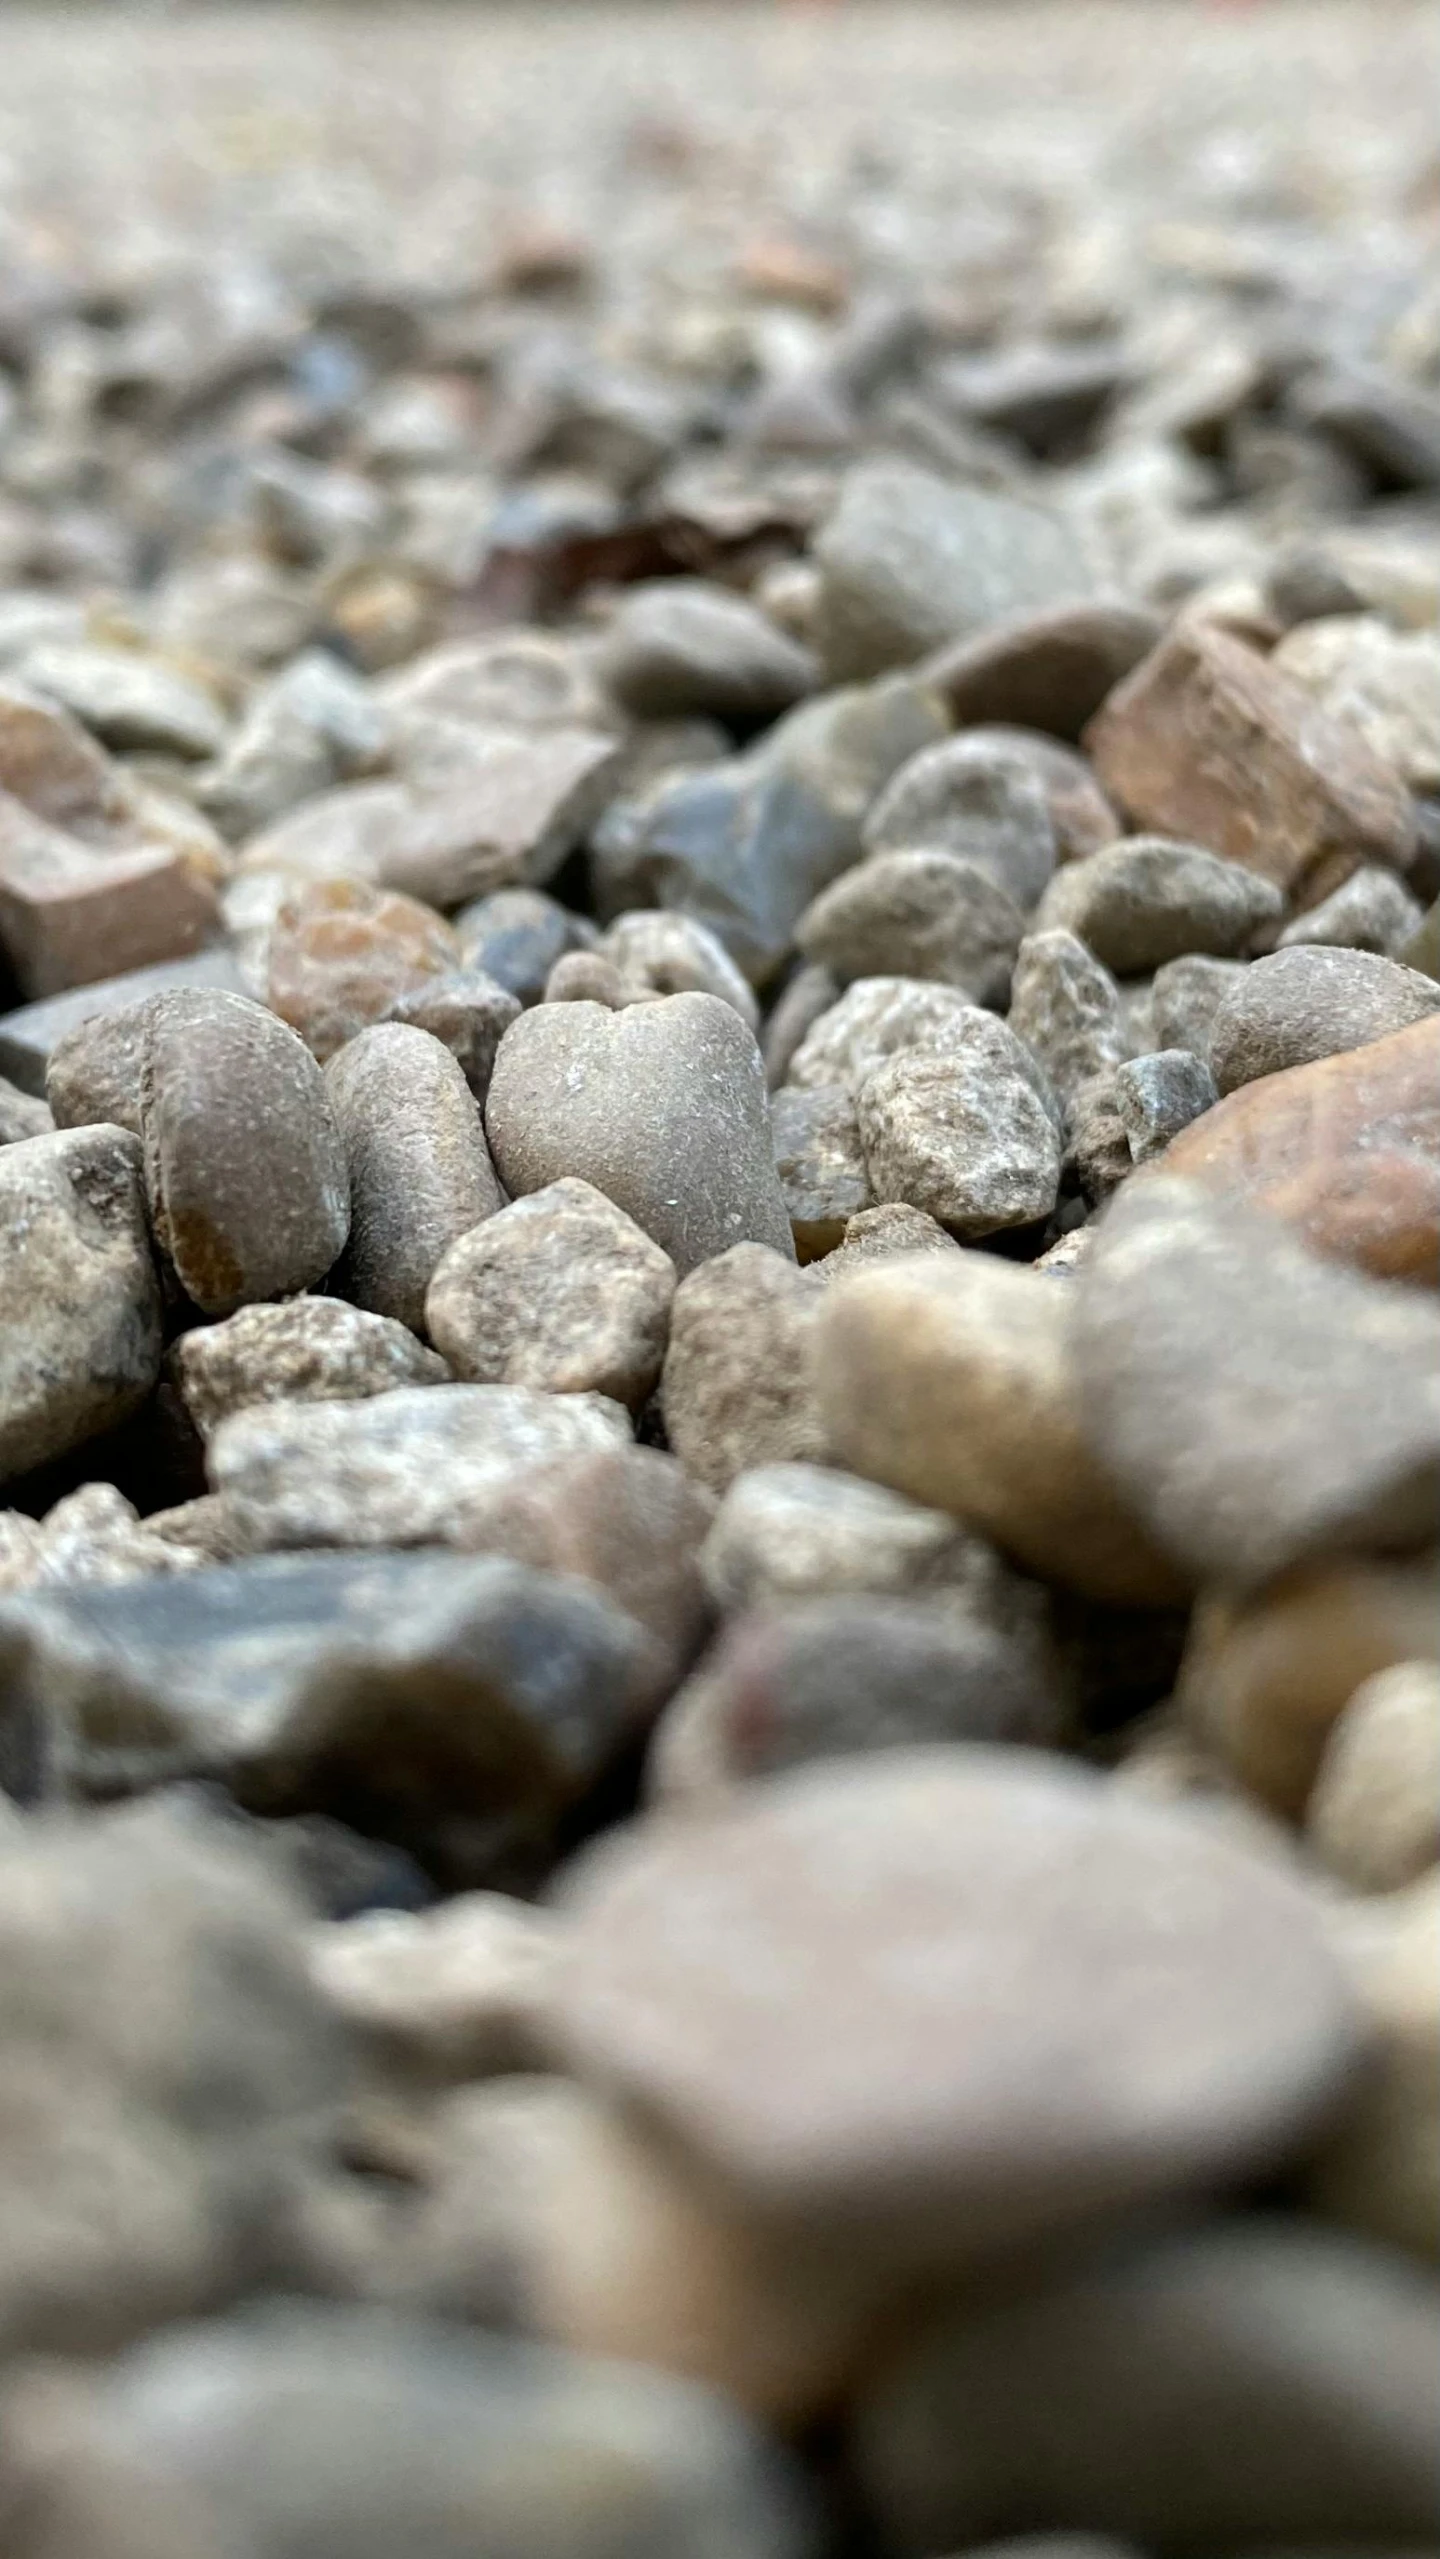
x,y
341,954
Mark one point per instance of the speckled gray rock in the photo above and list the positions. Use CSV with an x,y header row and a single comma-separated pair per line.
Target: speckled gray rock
x,y
91,1535
908,561
1080,815
1143,901
1306,1003
386,2432
808,994
916,914
880,1018
885,1233
671,954
433,1690
661,1106
801,1988
1185,996
1098,1152
416,1467
735,1390
79,1302
1066,1007
1158,1095
974,799
1248,2382
1383,682
786,1532
677,646
1254,1404
516,935
126,698
244,1167
850,1672
312,1350
314,724
1371,911
23,1115
470,1013
560,1290
821,1164
420,1170
965,1135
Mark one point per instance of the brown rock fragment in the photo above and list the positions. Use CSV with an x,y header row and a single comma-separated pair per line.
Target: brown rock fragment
x,y
343,954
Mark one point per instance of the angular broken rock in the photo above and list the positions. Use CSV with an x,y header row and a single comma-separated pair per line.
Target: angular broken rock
x,y
1255,1405
1384,683
659,953
342,955
920,915
244,1168
662,1107
71,912
1143,901
419,1169
1308,1003
1346,1151
801,1989
1158,1095
821,1164
560,1290
310,1350
1206,742
95,1535
416,1467
1371,911
736,1388
413,1693
964,1135
1046,670
1067,1009
80,1326
1186,995
952,1379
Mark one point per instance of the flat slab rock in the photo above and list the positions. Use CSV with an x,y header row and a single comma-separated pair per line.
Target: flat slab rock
x,y
947,1999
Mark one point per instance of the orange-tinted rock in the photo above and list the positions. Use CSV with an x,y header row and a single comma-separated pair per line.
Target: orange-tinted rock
x,y
1345,1150
1205,741
341,954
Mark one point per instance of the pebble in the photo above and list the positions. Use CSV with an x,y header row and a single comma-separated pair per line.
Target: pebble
x,y
920,915
807,994
1205,742
978,800
1159,1095
515,936
1185,996
735,1390
799,1988
126,699
413,1467
662,1107
244,1164
1308,1003
1379,2168
952,1380
1381,682
80,1317
909,561
342,955
520,679
73,909
30,1035
309,1350
313,724
22,1114
678,647
1256,1406
791,1531
1257,2374
456,1993
821,1163
469,1013
560,1290
964,1134
1374,1811
1047,670
1371,911
663,954
419,1169
1067,1008
883,1234
91,1535
1143,901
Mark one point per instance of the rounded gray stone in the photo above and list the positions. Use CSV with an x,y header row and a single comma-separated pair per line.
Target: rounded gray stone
x,y
420,1170
975,799
1308,1003
1143,901
916,914
80,1330
678,646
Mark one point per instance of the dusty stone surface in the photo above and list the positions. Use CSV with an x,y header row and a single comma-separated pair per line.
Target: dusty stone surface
x,y
795,1531
1371,911
310,1350
515,936
1185,996
80,1340
1048,670
976,798
560,1290
91,1535
916,914
22,1114
1304,1004
736,1387
469,1013
1158,1096
1066,1007
1143,901
419,1169
1382,682
964,1135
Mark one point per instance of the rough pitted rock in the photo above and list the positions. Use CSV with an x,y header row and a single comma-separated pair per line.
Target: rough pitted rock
x,y
952,1379
1185,996
821,1164
786,1532
1159,1095
1261,2376
342,955
560,1290
1255,1405
661,1106
909,561
1047,670
736,1387
244,1167
977,800
411,1468
1067,1009
93,1535
920,915
679,646
419,1168
310,1350
965,1134
80,1334
1303,1004
1371,911
878,1019
884,1234
1143,901
801,1990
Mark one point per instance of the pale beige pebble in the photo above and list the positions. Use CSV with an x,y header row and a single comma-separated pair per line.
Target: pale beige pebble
x,y
19,1549
736,1389
821,1164
419,1168
95,1535
587,977
1374,1810
458,1990
952,1380
559,1290
1165,1761
311,1348
1267,1676
80,1316
127,698
208,1526
523,678
1380,2167
660,953
341,955
1383,682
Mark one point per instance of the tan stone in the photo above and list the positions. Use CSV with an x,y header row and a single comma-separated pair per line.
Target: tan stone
x,y
1206,741
1264,1679
342,954
1374,1814
1380,2167
1346,1150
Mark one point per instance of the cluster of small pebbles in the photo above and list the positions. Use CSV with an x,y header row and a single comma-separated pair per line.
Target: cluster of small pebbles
x,y
719,1242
